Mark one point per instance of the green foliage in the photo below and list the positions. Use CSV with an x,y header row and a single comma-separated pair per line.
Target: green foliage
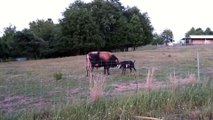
x,y
49,33
27,44
58,75
6,42
85,33
4,49
135,27
157,39
167,36
208,31
160,102
43,29
104,25
145,23
98,25
199,31
164,103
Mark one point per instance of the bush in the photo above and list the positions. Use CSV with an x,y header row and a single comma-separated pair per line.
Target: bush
x,y
58,75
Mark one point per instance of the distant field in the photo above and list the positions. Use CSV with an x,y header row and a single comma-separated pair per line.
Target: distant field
x,y
33,86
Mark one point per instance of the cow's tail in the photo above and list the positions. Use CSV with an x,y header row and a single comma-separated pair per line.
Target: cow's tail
x,y
88,64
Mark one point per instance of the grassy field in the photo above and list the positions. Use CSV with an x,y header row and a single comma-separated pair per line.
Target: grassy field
x,y
59,89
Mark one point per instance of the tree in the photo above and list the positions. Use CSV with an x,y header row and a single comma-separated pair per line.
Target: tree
x,y
2,49
6,42
103,25
107,14
208,31
199,31
136,31
147,27
167,36
121,34
42,28
46,30
157,39
79,29
192,31
98,25
27,44
144,22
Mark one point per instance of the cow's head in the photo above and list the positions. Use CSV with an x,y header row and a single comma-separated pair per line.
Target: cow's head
x,y
113,61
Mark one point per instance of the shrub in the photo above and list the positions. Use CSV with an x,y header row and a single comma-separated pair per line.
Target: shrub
x,y
58,75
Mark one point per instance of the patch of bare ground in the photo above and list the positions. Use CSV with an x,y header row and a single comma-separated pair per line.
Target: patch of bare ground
x,y
70,93
152,85
134,86
41,102
13,103
10,104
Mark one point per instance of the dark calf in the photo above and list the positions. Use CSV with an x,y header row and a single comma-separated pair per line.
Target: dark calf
x,y
126,65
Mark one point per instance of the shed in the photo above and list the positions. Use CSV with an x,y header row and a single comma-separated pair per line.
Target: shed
x,y
198,39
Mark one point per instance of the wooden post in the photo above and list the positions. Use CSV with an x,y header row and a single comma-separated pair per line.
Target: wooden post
x,y
198,66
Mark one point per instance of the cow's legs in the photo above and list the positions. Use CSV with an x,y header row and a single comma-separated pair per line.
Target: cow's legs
x,y
106,70
89,70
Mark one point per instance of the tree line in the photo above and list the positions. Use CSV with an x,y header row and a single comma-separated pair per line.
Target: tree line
x,y
199,31
98,25
167,35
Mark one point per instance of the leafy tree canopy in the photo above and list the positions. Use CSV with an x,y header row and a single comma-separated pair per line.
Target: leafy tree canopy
x,y
98,25
199,31
167,36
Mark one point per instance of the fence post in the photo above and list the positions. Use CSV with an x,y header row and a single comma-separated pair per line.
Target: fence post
x,y
198,66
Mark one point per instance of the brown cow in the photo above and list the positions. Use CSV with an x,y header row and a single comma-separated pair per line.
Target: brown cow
x,y
100,59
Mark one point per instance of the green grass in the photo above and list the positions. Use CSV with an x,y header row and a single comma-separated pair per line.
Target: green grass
x,y
163,103
34,82
58,75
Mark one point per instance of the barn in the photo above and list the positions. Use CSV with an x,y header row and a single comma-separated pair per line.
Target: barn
x,y
198,39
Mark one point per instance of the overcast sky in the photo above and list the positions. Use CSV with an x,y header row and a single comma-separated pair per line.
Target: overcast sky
x,y
177,15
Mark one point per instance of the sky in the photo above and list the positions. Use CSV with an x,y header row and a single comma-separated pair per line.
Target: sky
x,y
177,15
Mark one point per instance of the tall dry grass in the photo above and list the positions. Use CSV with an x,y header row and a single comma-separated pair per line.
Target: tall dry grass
x,y
175,82
186,102
149,78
